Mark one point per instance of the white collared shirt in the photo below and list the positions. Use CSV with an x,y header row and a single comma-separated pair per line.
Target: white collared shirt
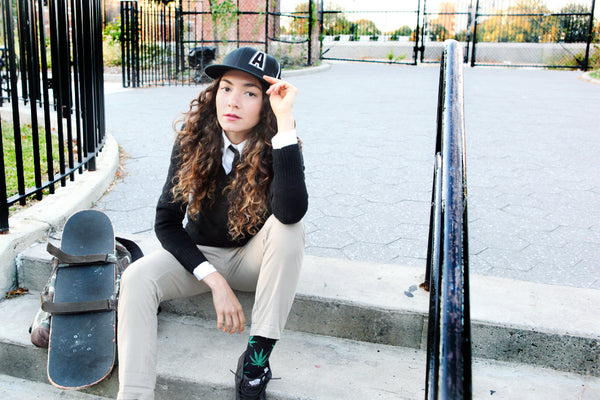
x,y
279,141
228,154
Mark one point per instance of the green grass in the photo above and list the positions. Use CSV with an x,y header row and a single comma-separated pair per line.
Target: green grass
x,y
10,162
595,74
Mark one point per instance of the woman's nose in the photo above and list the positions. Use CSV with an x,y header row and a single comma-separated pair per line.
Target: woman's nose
x,y
233,100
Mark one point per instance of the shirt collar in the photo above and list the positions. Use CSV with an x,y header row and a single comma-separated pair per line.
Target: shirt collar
x,y
227,142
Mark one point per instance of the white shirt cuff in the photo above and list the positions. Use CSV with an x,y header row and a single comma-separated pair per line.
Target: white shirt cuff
x,y
203,270
282,139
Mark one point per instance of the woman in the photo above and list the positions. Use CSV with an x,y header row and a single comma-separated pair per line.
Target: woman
x,y
236,172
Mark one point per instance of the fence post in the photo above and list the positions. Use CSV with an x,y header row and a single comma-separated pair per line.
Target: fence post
x,y
3,204
310,31
267,15
179,46
419,35
130,44
14,97
473,49
589,37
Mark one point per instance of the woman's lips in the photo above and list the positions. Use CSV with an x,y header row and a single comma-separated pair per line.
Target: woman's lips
x,y
231,117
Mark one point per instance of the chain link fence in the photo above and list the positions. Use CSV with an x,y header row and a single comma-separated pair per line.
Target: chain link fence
x,y
493,32
371,35
533,33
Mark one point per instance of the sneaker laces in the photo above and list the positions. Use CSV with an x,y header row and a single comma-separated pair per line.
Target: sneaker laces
x,y
240,377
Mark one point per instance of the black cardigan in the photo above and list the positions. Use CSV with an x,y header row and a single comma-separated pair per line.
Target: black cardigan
x,y
288,201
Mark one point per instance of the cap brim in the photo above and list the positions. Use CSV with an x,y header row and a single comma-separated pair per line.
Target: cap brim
x,y
216,71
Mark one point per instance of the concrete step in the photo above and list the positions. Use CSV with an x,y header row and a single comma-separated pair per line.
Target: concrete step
x,y
18,388
195,359
515,321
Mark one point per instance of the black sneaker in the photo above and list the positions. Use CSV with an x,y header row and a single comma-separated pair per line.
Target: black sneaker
x,y
250,389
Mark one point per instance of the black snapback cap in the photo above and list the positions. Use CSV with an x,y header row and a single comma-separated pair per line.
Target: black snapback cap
x,y
255,62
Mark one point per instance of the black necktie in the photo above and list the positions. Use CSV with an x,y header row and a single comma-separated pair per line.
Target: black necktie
x,y
236,156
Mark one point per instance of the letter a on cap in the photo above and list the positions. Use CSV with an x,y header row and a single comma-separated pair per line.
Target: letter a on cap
x,y
258,60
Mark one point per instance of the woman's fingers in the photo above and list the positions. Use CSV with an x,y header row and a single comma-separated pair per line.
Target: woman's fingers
x,y
278,86
230,315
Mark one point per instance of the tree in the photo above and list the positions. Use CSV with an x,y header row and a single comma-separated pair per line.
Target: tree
x,y
223,14
404,30
333,19
446,18
437,32
366,27
526,21
299,26
341,27
574,28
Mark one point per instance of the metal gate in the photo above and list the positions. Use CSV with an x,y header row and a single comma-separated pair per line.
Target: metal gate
x,y
529,33
371,34
443,21
171,44
493,32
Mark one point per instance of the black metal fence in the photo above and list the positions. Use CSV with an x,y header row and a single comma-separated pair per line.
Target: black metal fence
x,y
172,43
369,35
492,32
530,33
162,44
447,277
448,20
52,96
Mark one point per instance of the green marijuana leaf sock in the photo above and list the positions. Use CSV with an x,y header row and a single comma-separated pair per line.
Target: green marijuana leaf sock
x,y
257,355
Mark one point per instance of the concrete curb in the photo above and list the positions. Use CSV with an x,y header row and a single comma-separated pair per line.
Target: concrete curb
x,y
34,223
306,71
587,76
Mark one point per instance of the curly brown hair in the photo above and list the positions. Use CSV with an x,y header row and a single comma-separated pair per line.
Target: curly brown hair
x,y
201,149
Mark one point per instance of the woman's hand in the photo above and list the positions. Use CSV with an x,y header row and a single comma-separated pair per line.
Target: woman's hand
x,y
230,315
282,96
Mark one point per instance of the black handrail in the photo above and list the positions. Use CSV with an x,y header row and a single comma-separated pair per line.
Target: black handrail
x,y
447,276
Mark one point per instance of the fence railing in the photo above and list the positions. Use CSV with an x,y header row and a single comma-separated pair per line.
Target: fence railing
x,y
447,277
52,93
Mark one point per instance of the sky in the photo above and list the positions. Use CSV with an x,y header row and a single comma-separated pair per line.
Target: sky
x,y
391,22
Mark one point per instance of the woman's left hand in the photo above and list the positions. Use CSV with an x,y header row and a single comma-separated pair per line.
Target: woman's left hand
x,y
282,96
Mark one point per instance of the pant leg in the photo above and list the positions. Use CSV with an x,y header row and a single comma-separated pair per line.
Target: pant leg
x,y
271,263
144,284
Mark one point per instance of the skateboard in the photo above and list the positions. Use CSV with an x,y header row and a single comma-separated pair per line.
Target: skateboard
x,y
82,346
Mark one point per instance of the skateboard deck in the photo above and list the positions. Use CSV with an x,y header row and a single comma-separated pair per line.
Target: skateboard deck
x,y
82,347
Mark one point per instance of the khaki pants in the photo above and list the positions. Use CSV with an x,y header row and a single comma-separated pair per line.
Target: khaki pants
x,y
268,264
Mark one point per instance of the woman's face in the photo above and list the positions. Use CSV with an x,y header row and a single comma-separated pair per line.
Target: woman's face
x,y
239,101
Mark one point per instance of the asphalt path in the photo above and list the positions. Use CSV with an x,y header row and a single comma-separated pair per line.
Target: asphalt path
x,y
368,132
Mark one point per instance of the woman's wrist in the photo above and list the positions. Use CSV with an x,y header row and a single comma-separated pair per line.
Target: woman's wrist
x,y
214,281
286,122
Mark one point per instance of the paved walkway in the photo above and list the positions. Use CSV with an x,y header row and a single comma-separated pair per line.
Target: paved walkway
x,y
369,136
